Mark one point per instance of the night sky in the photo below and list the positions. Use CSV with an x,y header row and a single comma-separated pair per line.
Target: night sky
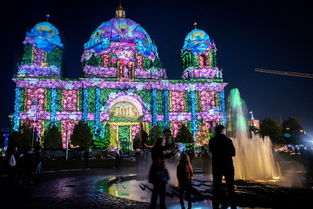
x,y
248,35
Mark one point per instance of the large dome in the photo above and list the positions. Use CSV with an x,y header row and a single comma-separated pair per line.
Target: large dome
x,y
120,48
197,41
121,30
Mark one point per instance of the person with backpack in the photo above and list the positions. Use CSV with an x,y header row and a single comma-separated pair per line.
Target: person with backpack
x,y
184,176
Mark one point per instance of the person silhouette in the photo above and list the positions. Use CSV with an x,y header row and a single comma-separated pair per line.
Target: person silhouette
x,y
158,174
184,174
222,150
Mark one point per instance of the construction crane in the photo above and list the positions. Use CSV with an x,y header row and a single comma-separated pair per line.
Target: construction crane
x,y
295,74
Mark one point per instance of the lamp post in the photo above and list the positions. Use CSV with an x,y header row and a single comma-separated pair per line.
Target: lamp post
x,y
66,147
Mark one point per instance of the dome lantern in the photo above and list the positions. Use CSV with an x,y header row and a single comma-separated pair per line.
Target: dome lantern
x,y
120,12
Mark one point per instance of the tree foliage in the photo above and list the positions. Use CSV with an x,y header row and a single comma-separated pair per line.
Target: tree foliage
x,y
23,139
81,136
102,143
2,139
272,129
184,135
155,133
292,130
52,138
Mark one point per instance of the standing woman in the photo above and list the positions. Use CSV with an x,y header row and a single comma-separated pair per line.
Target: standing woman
x,y
184,176
158,174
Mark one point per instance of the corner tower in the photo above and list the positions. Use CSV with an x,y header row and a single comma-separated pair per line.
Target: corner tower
x,y
43,51
198,56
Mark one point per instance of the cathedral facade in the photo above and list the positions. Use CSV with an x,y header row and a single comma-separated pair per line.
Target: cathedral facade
x,y
124,87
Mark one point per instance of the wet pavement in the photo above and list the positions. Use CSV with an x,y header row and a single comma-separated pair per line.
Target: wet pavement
x,y
77,189
67,190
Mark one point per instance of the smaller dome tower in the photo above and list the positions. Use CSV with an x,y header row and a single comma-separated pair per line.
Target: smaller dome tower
x,y
43,51
198,56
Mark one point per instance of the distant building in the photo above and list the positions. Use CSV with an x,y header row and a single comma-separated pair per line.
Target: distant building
x,y
6,133
254,123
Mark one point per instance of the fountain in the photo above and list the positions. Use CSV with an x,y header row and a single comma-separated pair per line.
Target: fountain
x,y
254,158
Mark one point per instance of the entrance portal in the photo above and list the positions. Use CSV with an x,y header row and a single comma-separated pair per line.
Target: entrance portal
x,y
124,123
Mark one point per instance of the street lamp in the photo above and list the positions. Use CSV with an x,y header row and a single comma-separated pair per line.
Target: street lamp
x,y
66,141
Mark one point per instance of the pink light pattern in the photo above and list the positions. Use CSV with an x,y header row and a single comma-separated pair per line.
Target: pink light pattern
x,y
69,100
135,130
178,101
35,99
67,131
207,100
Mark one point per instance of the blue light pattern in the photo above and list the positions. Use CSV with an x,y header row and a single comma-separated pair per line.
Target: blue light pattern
x,y
85,105
45,36
17,107
53,105
193,108
197,41
121,30
166,109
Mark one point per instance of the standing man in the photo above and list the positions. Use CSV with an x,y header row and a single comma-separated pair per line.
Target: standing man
x,y
222,150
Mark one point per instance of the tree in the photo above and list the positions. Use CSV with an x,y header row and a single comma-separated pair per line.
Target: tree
x,y
102,143
22,139
2,140
28,138
81,136
185,136
15,139
52,138
272,129
155,133
292,130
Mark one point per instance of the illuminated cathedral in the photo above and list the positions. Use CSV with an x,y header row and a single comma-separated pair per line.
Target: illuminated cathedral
x,y
124,87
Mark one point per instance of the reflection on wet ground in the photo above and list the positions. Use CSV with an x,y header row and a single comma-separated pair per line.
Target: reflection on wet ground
x,y
135,187
250,194
84,189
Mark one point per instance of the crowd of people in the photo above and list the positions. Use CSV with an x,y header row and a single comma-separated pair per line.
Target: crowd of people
x,y
24,167
222,151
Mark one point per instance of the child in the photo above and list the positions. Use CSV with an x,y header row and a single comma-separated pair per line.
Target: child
x,y
184,176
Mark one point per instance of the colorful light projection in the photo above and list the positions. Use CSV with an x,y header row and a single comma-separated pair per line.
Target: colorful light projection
x,y
121,30
66,131
121,65
96,82
35,100
207,100
69,100
120,48
178,101
44,36
198,57
42,52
